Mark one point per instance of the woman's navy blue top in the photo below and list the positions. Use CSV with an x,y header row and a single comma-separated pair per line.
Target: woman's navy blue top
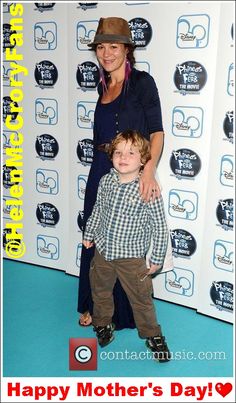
x,y
137,108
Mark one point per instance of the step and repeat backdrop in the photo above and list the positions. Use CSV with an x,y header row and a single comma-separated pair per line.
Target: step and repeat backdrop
x,y
51,77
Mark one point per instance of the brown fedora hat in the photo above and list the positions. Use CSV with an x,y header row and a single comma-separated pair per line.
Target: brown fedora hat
x,y
112,30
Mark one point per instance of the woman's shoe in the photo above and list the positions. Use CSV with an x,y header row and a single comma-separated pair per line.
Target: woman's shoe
x,y
85,319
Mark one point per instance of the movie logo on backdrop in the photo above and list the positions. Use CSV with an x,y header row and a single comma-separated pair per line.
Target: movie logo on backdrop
x,y
44,6
6,209
223,255
183,204
87,6
48,247
131,3
185,163
47,214
85,151
180,281
230,80
7,42
46,111
228,126
225,214
87,76
193,31
227,170
6,72
8,174
143,66
183,243
45,35
47,181
78,254
141,31
232,33
82,181
85,114
45,74
5,240
7,110
6,140
221,293
80,220
8,205
187,121
85,31
6,7
46,147
6,77
190,77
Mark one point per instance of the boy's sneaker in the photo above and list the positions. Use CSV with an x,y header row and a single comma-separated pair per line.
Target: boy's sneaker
x,y
158,346
104,334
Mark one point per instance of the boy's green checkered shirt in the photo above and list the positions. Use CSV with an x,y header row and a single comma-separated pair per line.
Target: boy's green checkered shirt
x,y
122,225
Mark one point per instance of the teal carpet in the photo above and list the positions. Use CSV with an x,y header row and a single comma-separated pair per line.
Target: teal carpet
x,y
39,307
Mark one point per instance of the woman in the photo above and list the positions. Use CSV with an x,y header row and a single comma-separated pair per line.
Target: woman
x,y
128,99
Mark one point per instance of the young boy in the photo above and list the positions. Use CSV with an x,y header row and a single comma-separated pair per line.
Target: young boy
x,y
121,226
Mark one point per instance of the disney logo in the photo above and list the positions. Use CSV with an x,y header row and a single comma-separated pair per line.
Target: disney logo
x,y
43,185
176,207
42,41
187,37
173,284
182,126
42,115
228,175
7,209
84,119
223,259
44,250
84,41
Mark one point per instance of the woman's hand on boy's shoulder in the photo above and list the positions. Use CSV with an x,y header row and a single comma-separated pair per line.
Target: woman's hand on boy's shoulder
x,y
87,244
148,187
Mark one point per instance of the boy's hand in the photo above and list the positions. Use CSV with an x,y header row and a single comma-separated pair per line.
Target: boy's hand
x,y
153,268
88,244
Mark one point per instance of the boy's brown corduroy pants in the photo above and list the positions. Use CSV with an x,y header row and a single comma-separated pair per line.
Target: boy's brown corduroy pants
x,y
130,272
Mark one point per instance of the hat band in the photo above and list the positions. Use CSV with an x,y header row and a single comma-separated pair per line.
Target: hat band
x,y
99,38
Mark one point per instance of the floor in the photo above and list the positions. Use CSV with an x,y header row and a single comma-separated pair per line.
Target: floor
x,y
39,307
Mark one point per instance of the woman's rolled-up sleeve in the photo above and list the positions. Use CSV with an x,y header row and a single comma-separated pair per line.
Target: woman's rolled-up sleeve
x,y
147,93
